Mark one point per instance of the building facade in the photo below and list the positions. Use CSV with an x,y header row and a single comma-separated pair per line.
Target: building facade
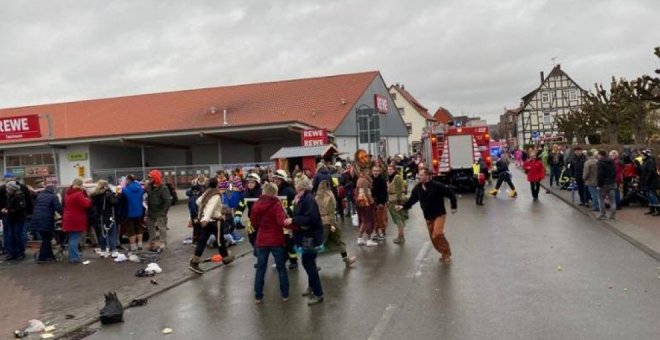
x,y
414,114
557,95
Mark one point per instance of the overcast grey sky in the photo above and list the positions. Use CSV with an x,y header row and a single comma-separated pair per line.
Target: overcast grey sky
x,y
471,57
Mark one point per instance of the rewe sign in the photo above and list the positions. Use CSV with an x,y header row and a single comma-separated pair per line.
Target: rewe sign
x,y
19,127
314,137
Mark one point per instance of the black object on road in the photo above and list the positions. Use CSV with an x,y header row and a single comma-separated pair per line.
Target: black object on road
x,y
113,311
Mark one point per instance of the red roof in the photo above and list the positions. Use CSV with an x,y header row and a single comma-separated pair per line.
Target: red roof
x,y
409,97
322,102
443,115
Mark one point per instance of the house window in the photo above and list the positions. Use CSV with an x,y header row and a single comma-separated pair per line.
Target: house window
x,y
393,95
572,95
545,97
402,110
547,118
409,127
372,129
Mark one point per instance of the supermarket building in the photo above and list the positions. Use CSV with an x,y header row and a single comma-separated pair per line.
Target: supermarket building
x,y
185,133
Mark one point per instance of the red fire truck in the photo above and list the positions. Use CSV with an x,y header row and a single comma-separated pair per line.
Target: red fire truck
x,y
450,153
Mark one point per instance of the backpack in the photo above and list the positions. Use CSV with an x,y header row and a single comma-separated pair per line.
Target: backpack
x,y
17,203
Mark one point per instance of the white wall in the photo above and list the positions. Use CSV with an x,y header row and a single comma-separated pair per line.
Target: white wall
x,y
410,116
68,170
396,145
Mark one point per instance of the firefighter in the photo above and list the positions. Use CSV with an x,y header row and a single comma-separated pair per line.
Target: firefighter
x,y
281,179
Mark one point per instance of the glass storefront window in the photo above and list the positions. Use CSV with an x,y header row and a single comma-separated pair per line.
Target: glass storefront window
x,y
13,160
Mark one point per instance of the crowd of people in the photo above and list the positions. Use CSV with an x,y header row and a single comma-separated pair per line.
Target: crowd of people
x,y
602,180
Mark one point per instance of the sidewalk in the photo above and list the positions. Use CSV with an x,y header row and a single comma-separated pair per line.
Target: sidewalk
x,y
643,231
49,292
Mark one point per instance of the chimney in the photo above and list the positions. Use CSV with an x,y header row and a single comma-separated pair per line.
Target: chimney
x,y
542,77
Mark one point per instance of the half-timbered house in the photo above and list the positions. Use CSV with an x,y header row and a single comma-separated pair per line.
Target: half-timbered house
x,y
557,95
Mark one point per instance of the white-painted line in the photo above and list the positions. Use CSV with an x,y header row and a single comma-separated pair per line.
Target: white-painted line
x,y
422,252
379,330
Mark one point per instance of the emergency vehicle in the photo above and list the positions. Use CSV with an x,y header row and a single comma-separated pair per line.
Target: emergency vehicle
x,y
450,153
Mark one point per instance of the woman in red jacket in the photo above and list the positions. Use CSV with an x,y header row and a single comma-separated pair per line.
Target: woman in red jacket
x,y
267,218
535,173
74,219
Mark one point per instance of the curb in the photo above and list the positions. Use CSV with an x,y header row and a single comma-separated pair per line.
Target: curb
x,y
641,246
88,321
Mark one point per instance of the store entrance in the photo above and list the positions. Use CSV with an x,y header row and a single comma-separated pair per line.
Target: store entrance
x,y
32,168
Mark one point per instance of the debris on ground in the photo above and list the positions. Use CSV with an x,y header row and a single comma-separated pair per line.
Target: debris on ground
x,y
113,311
153,268
137,302
153,282
86,262
35,326
69,316
49,328
121,258
134,258
559,268
47,335
167,331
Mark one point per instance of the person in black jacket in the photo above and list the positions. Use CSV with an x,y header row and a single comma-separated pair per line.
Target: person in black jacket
x,y
576,165
606,184
503,175
379,193
431,196
284,189
308,236
104,203
252,193
648,180
43,221
19,205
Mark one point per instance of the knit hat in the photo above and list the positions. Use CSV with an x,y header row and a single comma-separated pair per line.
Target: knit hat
x,y
156,176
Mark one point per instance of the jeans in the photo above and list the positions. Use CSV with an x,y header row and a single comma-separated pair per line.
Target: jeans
x,y
593,192
108,240
213,228
611,192
46,249
313,279
536,187
16,236
653,198
555,171
279,254
74,242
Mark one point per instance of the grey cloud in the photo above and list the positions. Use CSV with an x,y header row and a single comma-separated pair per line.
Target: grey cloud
x,y
472,57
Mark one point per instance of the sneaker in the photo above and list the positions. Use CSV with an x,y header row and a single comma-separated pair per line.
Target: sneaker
x,y
104,254
445,260
307,292
293,265
97,251
349,260
314,300
361,241
258,301
285,299
513,193
194,266
493,192
371,243
228,259
399,240
114,254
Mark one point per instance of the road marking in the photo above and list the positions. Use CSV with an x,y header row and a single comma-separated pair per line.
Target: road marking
x,y
378,331
422,253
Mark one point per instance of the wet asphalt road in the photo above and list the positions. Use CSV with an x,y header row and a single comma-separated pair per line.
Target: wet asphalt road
x,y
521,270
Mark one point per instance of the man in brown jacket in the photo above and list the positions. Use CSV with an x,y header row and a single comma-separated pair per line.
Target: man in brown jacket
x,y
590,176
